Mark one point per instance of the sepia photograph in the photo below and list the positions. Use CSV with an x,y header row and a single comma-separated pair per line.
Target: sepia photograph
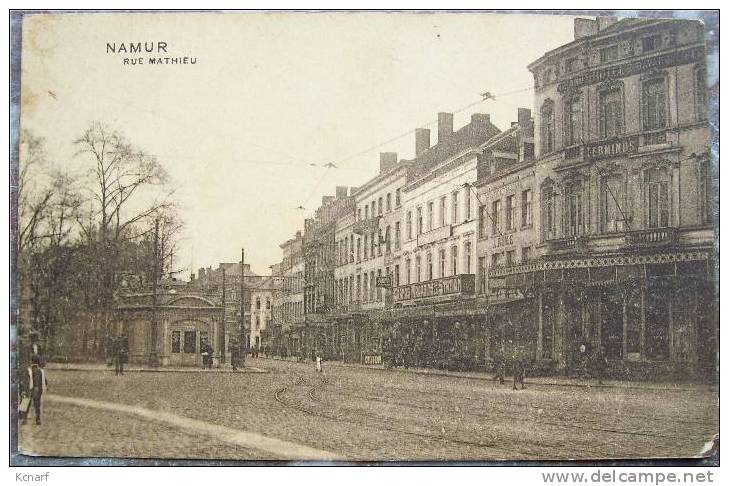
x,y
379,237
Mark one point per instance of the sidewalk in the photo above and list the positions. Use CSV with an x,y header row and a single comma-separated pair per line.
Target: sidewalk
x,y
148,369
545,381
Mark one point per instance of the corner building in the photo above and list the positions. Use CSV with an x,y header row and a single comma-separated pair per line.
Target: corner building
x,y
623,235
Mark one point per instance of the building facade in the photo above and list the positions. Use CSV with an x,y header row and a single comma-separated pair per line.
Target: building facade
x,y
288,300
623,229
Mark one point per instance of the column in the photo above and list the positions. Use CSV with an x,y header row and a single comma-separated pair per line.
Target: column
x,y
560,331
540,326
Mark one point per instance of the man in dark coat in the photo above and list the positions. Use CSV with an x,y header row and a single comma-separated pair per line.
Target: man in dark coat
x,y
37,384
519,372
120,355
500,367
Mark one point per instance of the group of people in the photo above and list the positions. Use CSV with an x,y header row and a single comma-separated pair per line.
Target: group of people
x,y
519,366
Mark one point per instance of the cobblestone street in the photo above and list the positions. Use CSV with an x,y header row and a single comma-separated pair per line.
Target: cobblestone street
x,y
368,414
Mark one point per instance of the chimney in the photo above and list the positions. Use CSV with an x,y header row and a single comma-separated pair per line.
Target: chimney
x,y
422,140
298,234
388,160
524,115
480,119
341,192
445,126
585,28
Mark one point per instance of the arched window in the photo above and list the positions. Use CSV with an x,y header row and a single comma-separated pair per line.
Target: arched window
x,y
549,211
547,133
657,197
572,117
268,304
611,112
258,303
574,214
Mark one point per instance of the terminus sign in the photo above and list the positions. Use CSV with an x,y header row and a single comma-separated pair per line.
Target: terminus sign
x,y
611,148
457,285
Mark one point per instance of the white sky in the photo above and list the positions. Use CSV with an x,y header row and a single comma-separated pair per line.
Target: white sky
x,y
270,94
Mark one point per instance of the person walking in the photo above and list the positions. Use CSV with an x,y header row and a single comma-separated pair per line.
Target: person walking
x,y
519,372
120,356
500,366
234,356
599,363
37,384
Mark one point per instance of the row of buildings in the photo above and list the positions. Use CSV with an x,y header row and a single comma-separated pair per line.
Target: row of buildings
x,y
588,221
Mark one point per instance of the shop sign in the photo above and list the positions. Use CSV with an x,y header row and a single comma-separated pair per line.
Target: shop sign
x,y
373,359
385,282
459,284
613,148
674,58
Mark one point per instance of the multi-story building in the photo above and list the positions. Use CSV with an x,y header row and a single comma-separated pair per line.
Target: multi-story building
x,y
316,334
261,310
288,300
622,218
368,239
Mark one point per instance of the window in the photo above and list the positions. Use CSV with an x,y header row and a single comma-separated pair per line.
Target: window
x,y
373,209
379,206
176,341
359,214
409,224
258,303
397,197
379,242
430,216
372,244
258,323
397,275
706,193
482,275
611,210
420,221
528,151
510,255
188,345
367,212
359,250
467,203
407,271
611,113
372,285
443,211
572,113
609,54
365,289
658,198
388,202
701,90
571,65
573,209
526,254
351,249
454,208
467,256
268,304
379,289
454,260
510,213
359,288
547,115
387,240
526,208
495,260
482,215
442,258
495,214
652,43
417,268
397,235
429,266
549,220
654,104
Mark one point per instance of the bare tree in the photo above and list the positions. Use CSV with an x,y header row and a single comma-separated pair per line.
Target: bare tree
x,y
127,186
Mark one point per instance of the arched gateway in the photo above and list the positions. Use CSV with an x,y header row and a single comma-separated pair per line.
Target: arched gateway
x,y
172,331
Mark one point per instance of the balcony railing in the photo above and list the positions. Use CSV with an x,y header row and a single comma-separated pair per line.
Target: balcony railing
x,y
651,237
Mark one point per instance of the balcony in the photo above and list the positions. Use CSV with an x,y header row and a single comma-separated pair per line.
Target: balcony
x,y
651,237
434,235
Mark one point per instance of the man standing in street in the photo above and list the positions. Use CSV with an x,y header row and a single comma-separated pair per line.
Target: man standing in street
x,y
120,355
37,384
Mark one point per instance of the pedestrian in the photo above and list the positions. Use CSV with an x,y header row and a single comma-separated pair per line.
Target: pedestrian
x,y
37,384
519,372
500,367
211,351
120,356
205,354
599,363
234,356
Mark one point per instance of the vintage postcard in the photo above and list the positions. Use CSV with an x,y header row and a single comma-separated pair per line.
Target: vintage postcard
x,y
364,236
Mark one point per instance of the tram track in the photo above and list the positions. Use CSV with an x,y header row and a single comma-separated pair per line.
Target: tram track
x,y
375,421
